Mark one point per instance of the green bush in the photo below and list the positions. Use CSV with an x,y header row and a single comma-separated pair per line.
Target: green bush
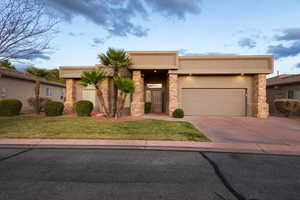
x,y
178,113
84,108
54,108
10,107
148,107
286,106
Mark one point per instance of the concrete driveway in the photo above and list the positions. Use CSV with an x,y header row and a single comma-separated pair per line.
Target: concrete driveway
x,y
274,130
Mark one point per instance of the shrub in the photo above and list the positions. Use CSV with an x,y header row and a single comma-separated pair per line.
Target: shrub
x,y
10,107
286,106
148,107
43,101
84,108
54,108
178,113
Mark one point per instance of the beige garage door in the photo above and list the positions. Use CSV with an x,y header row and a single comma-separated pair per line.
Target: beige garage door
x,y
214,102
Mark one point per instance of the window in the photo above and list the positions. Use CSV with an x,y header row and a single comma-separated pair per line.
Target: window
x,y
49,92
62,95
294,94
155,85
2,92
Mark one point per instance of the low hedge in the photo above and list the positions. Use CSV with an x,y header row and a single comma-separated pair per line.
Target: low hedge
x,y
54,108
286,106
178,113
10,107
84,108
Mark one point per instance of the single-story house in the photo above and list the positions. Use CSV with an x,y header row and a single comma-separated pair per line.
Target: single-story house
x,y
201,85
285,86
20,85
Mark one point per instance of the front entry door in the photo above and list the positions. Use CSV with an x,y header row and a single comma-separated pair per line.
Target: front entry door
x,y
156,100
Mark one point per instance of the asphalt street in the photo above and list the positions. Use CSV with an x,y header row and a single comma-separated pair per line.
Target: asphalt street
x,y
84,174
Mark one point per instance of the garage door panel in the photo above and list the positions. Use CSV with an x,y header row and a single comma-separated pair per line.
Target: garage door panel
x,y
214,102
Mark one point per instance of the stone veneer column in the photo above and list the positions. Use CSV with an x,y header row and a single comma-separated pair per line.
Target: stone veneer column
x,y
173,93
137,104
260,108
70,95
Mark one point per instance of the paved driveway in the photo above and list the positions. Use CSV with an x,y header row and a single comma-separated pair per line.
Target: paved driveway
x,y
274,130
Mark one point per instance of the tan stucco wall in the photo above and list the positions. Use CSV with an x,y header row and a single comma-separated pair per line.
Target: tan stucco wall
x,y
22,90
225,64
236,81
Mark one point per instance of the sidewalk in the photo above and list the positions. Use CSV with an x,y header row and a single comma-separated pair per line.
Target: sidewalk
x,y
152,145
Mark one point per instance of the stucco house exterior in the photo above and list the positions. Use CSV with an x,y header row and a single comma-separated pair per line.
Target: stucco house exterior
x,y
201,85
285,86
20,85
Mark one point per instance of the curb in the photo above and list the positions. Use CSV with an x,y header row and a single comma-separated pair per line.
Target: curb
x,y
151,145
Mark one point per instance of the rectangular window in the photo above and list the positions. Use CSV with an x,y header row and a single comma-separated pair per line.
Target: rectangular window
x,y
49,92
62,95
155,85
290,94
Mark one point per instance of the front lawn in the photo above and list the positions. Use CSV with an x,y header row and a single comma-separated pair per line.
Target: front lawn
x,y
89,128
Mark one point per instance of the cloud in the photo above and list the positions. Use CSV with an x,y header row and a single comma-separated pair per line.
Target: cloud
x,y
72,34
281,51
98,41
39,55
247,42
184,52
175,8
298,65
117,17
289,34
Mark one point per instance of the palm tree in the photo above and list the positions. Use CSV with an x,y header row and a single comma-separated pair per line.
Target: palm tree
x,y
38,73
126,86
94,78
116,59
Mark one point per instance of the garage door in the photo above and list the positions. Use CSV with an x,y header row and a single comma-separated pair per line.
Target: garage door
x,y
214,102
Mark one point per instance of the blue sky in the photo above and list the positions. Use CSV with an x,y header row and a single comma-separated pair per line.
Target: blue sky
x,y
194,27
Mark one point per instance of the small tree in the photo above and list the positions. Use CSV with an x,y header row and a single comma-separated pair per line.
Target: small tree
x,y
125,86
94,78
38,73
7,64
115,59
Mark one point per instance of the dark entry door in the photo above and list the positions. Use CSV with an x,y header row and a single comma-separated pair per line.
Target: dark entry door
x,y
156,100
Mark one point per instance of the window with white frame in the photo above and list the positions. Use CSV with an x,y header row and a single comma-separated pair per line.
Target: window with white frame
x,y
49,92
2,92
62,94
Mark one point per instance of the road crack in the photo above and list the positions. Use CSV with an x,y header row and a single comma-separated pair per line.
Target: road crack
x,y
15,154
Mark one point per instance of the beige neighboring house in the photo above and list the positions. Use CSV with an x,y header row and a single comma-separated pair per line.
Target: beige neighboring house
x,y
285,86
201,85
20,85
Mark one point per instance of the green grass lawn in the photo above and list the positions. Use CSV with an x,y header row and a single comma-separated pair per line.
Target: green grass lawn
x,y
89,128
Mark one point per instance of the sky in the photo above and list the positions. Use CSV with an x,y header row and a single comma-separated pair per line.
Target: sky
x,y
193,27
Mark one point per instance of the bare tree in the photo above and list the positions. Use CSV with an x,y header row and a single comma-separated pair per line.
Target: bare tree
x,y
24,29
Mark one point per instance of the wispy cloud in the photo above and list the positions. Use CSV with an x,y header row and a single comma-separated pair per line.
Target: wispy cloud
x,y
298,65
289,34
247,42
117,17
184,52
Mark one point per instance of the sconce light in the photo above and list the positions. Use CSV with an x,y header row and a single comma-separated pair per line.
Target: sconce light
x,y
155,70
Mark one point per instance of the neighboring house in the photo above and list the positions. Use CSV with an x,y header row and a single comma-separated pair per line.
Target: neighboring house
x,y
285,86
20,85
201,85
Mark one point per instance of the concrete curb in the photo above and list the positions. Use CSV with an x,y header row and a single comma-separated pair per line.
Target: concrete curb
x,y
151,145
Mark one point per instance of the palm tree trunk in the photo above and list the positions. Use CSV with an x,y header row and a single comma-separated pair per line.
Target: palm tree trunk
x,y
37,95
122,102
102,102
115,76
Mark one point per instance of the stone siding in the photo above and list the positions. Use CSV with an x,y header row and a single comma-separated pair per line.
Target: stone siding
x,y
137,104
260,108
173,93
70,95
